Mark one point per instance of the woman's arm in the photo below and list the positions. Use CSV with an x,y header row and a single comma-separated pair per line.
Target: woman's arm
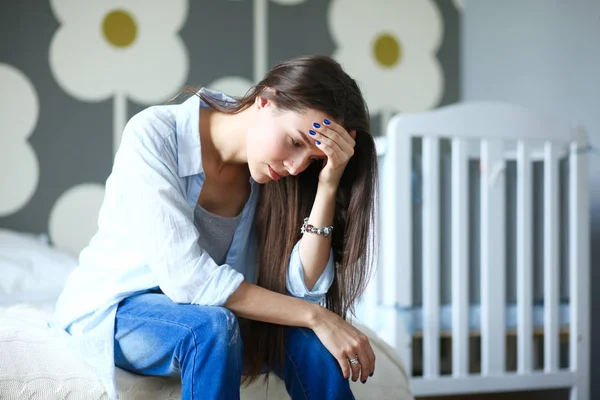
x,y
254,302
338,146
315,249
342,339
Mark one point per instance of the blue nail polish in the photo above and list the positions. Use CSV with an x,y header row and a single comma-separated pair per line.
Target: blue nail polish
x,y
326,121
312,132
371,374
316,125
364,382
318,143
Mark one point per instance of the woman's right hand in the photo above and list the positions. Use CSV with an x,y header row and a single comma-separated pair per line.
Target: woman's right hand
x,y
345,342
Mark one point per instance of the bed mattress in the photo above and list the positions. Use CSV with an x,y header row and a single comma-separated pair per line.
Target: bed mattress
x,y
34,365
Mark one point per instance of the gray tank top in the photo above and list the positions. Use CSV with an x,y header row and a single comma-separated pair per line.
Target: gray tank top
x,y
216,233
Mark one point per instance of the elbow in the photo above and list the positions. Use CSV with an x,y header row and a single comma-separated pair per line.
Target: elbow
x,y
309,282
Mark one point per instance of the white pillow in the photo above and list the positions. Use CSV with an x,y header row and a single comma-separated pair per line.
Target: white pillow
x,y
32,271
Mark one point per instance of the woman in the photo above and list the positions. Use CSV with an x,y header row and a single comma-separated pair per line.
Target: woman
x,y
234,221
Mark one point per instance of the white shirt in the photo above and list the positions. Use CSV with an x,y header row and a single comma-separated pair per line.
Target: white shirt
x,y
146,237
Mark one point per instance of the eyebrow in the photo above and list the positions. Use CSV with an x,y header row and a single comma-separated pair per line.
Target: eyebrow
x,y
309,143
304,136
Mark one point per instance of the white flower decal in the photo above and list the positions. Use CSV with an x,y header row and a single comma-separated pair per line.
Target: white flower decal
x,y
19,112
232,85
121,49
389,47
74,217
288,2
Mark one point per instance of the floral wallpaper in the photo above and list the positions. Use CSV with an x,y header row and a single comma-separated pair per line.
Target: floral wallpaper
x,y
72,73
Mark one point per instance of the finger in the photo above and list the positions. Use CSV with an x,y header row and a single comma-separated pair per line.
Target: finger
x,y
330,148
371,355
343,139
365,365
343,361
355,368
342,155
333,154
339,146
340,130
335,131
345,148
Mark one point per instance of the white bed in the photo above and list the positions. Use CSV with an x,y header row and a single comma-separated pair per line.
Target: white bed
x,y
439,251
34,365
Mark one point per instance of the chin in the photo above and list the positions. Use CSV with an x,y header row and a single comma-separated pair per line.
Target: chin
x,y
262,179
258,176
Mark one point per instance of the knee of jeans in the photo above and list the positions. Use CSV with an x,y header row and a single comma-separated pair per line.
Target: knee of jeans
x,y
224,327
304,338
314,352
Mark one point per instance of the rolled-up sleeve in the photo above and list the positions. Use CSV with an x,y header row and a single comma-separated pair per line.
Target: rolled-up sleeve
x,y
296,285
145,185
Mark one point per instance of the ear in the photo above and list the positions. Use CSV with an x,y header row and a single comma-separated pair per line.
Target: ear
x,y
262,101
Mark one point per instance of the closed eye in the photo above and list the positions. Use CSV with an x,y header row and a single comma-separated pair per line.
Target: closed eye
x,y
298,144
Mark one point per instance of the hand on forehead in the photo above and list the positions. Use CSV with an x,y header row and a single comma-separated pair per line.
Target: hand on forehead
x,y
326,137
319,120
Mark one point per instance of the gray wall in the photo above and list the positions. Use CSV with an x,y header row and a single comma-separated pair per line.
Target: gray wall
x,y
542,54
70,148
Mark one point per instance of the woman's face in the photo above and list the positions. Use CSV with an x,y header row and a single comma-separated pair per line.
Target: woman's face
x,y
280,144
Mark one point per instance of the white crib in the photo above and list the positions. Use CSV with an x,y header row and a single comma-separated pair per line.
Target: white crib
x,y
494,135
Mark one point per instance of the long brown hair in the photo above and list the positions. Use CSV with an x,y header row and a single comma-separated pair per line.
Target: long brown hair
x,y
318,83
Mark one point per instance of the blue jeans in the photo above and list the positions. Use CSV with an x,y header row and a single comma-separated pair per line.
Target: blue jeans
x,y
202,344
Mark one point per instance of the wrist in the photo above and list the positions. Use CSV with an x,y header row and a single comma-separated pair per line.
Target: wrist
x,y
327,188
314,315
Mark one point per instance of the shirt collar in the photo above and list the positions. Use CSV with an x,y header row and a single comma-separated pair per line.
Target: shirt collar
x,y
188,132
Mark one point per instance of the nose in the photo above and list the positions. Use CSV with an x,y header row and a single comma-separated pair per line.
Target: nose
x,y
297,165
294,169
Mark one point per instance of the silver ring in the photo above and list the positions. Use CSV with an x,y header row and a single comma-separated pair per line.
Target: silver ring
x,y
354,361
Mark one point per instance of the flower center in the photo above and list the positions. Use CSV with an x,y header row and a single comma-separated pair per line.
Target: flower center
x,y
387,50
119,28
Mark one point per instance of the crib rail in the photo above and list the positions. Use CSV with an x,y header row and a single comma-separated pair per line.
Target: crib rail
x,y
524,259
551,294
495,133
460,298
579,340
492,258
431,258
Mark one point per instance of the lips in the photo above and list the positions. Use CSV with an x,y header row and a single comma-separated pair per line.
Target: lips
x,y
274,175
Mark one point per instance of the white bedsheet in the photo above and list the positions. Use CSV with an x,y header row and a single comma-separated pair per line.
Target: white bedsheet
x,y
34,365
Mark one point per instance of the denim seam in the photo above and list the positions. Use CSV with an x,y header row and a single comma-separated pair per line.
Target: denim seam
x,y
195,353
171,323
296,371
